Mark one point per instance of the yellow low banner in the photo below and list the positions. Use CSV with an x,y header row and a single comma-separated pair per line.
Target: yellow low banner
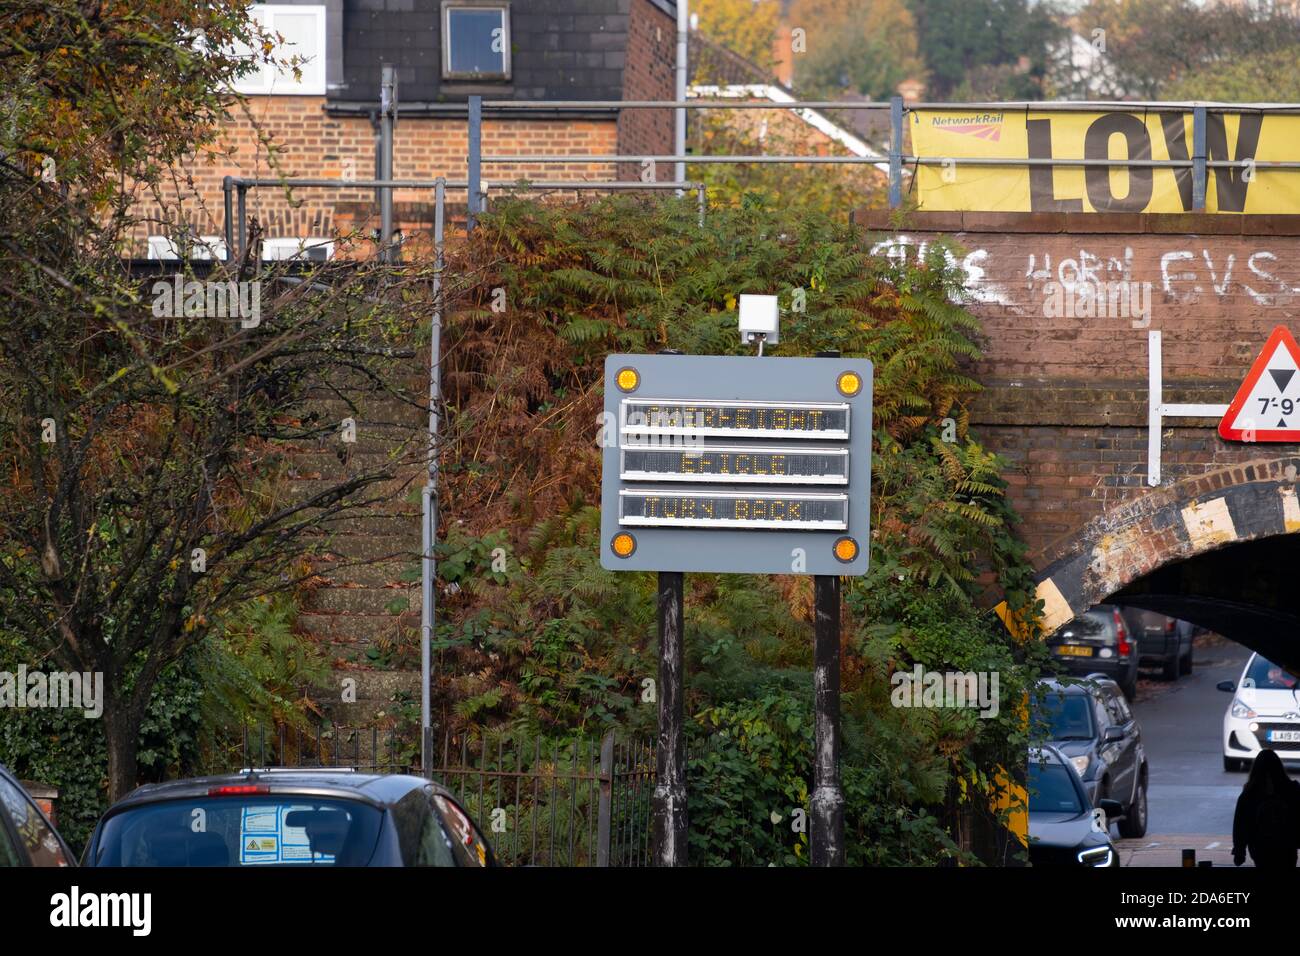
x,y
954,135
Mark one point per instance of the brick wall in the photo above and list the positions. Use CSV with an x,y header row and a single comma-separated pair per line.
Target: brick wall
x,y
649,73
1066,396
293,136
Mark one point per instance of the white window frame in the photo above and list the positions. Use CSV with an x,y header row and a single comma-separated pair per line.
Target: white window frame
x,y
280,248
202,248
282,83
504,9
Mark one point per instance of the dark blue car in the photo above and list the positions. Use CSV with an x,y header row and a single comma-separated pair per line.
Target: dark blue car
x,y
279,818
1064,829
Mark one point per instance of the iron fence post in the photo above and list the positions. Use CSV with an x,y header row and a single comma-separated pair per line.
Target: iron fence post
x,y
605,825
670,820
387,111
680,84
243,221
828,796
1199,175
895,152
475,158
227,197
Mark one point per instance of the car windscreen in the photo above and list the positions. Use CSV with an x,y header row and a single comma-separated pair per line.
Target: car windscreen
x,y
1051,790
1064,717
259,830
1266,675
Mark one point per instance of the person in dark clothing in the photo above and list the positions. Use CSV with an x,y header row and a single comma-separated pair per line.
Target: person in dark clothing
x,y
1267,821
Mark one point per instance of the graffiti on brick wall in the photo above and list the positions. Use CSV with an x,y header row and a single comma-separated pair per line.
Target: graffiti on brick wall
x,y
980,287
1181,274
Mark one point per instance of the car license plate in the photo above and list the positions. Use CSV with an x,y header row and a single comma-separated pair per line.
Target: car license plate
x,y
1283,736
1074,650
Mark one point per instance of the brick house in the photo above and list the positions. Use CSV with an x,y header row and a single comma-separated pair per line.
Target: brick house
x,y
324,122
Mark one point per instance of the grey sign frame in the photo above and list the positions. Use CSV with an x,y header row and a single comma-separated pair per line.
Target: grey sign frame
x,y
737,379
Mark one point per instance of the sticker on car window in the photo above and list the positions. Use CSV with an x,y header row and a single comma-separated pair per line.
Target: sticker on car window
x,y
265,837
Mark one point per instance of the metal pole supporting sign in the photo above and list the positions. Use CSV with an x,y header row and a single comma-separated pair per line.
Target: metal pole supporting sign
x,y
740,465
670,820
827,837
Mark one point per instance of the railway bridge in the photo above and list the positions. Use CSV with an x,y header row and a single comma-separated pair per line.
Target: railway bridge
x,y
1107,405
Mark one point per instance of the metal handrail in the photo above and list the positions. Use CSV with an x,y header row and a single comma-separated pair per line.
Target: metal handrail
x,y
238,186
348,183
1062,106
1199,162
687,158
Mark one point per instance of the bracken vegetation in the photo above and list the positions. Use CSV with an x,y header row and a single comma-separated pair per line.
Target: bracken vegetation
x,y
556,645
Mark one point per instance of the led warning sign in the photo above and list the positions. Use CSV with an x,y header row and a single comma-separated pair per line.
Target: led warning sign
x,y
737,463
741,464
704,419
653,507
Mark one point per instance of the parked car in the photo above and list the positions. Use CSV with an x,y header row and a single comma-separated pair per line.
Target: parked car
x,y
1063,829
1264,714
1098,641
1091,725
1162,641
289,817
27,837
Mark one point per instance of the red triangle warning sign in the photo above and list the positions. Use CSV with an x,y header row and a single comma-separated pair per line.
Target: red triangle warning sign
x,y
1267,406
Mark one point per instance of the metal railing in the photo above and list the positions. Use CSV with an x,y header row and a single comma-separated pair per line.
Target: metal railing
x,y
477,105
235,194
540,802
896,159
367,749
552,803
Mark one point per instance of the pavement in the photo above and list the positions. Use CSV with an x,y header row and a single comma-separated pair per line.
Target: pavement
x,y
1167,850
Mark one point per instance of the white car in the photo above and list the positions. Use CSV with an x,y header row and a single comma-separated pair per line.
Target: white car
x,y
1264,713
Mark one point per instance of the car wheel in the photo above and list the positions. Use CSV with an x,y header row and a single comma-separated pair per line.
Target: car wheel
x,y
1170,669
1187,661
1134,822
1233,765
1130,688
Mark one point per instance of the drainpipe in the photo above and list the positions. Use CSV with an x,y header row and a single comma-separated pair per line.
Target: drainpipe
x,y
683,32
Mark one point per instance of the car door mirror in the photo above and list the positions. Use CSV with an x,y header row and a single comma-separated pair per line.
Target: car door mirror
x,y
1113,734
1112,808
1227,686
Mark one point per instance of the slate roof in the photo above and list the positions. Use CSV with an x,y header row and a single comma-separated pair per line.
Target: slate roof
x,y
560,50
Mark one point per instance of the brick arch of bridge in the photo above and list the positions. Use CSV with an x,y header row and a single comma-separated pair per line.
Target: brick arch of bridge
x,y
1065,400
1065,396
1218,549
